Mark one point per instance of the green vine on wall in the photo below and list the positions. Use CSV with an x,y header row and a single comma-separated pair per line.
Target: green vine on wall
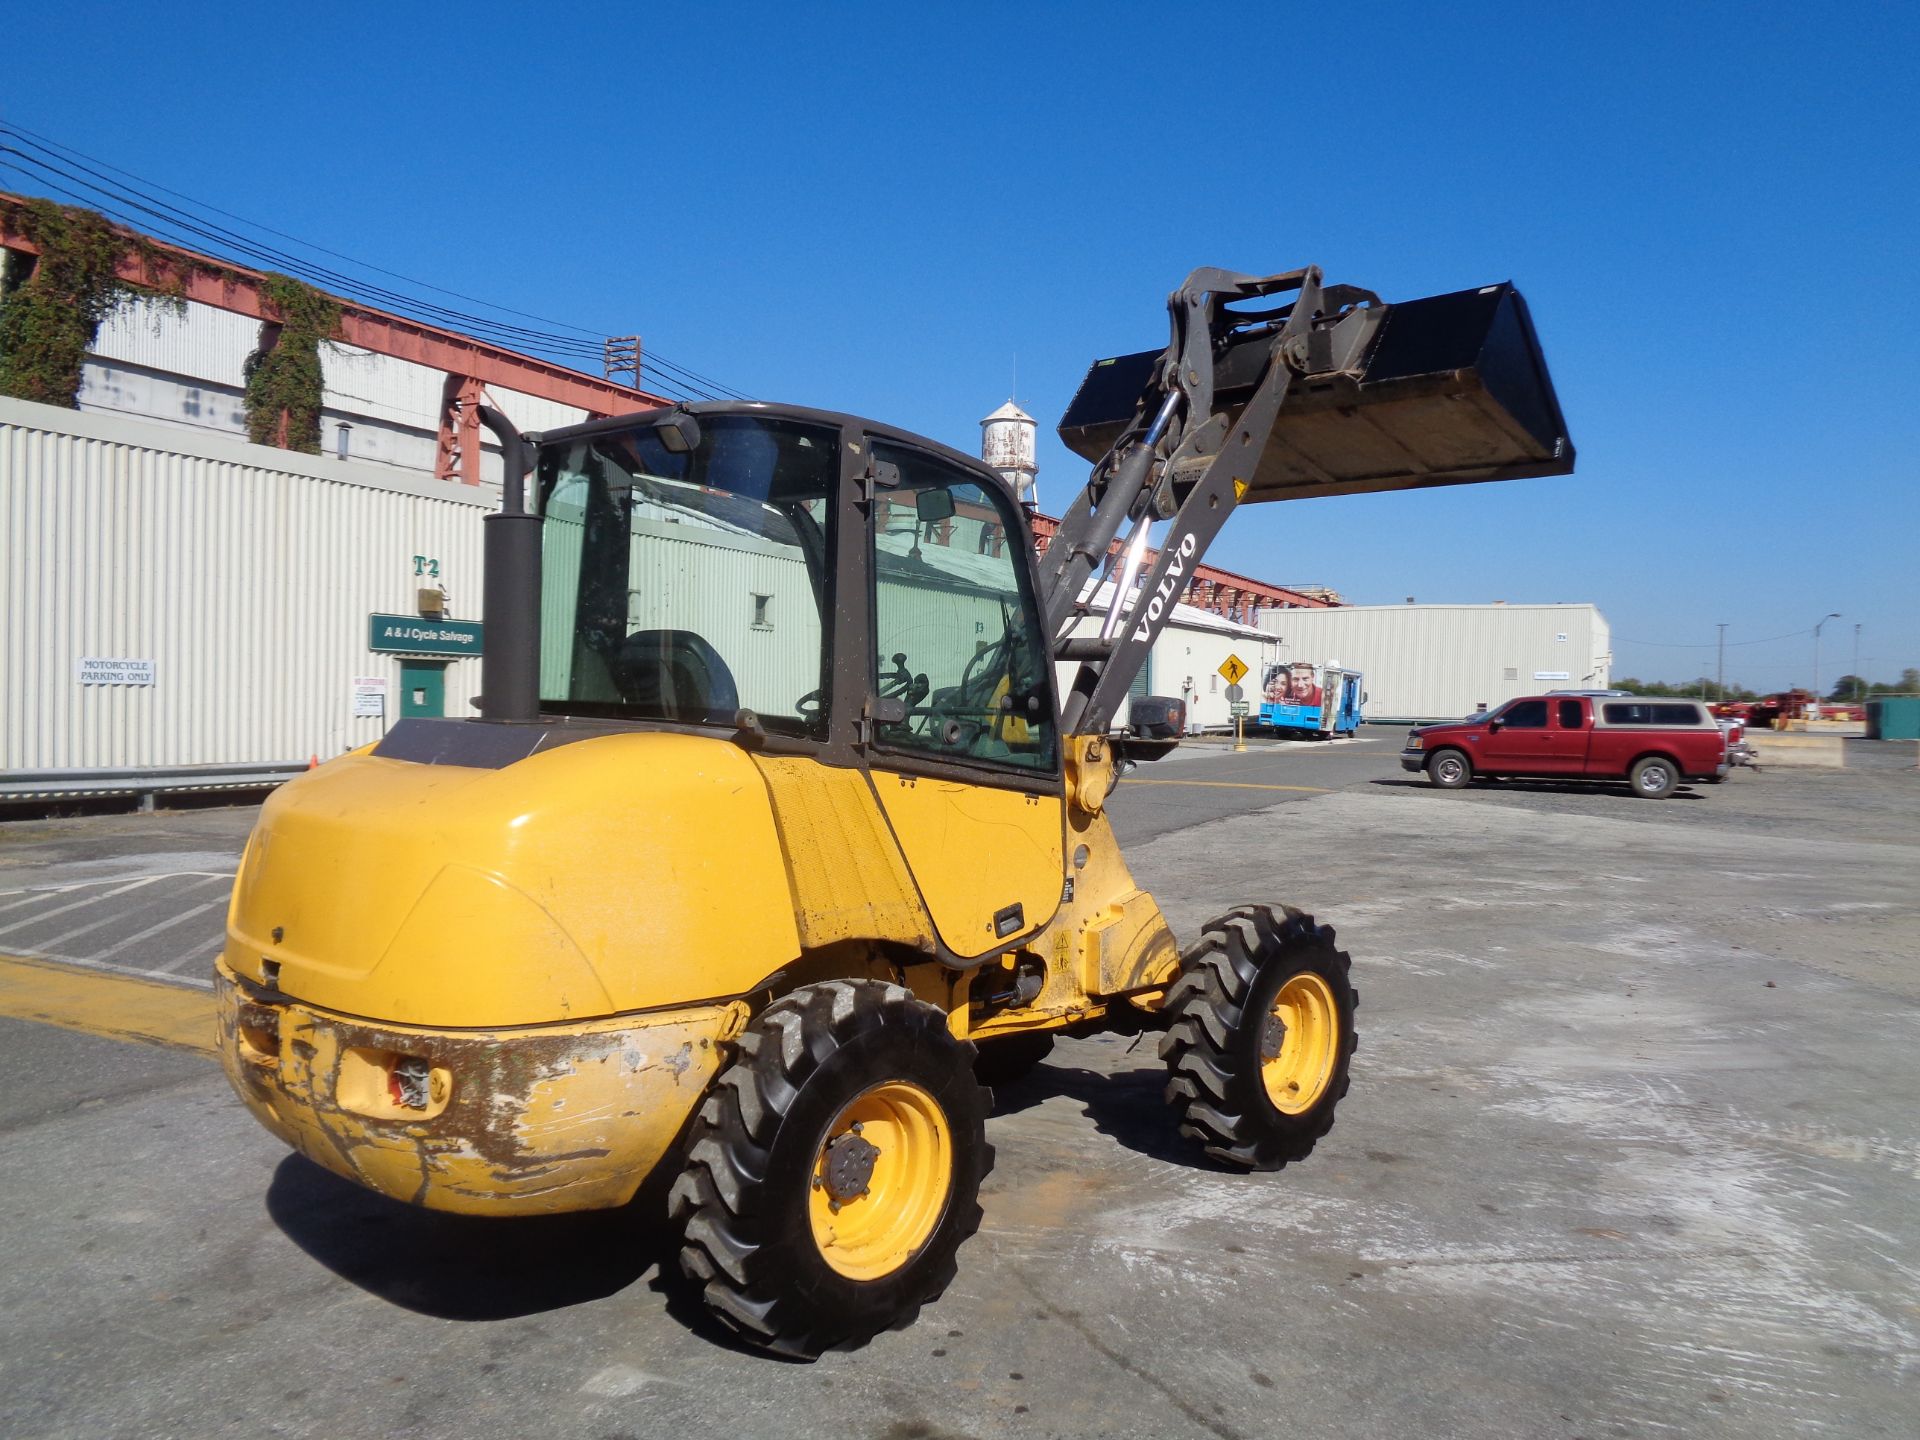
x,y
285,383
53,305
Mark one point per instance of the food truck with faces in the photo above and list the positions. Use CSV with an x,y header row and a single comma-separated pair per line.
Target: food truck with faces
x,y
1319,700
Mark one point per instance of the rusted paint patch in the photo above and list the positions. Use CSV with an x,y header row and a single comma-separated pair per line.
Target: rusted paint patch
x,y
553,1118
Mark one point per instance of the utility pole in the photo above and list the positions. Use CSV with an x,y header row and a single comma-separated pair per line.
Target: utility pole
x,y
1833,615
1857,681
1720,680
620,359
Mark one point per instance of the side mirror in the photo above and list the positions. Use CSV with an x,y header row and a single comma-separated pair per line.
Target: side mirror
x,y
679,433
931,505
1493,724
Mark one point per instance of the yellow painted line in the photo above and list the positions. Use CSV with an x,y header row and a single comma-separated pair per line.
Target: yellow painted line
x,y
1233,785
117,1006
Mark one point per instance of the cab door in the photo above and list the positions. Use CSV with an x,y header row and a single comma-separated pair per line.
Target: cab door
x,y
1567,737
962,742
1518,740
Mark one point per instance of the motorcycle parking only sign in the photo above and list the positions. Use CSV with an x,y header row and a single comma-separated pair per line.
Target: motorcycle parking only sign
x,y
93,670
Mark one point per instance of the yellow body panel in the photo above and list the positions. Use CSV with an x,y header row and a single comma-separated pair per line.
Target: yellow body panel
x,y
1127,946
517,1122
559,943
849,880
622,873
1109,940
975,850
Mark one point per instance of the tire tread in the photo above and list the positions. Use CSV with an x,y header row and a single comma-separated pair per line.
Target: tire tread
x,y
1209,1010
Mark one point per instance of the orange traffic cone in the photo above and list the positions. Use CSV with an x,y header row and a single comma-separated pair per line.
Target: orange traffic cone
x,y
313,762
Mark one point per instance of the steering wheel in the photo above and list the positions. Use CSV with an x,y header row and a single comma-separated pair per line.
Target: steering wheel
x,y
903,684
898,684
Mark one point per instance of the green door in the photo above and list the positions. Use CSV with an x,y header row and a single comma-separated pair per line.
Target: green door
x,y
423,688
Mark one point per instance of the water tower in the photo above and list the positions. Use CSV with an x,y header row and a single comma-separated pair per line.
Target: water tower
x,y
1007,445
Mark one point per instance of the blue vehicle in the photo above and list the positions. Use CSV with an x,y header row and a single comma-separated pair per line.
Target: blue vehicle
x,y
1319,700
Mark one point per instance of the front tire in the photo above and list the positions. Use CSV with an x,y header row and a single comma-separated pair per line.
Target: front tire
x,y
834,1169
1449,769
1260,1036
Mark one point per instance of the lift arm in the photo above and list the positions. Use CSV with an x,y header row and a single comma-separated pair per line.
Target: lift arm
x,y
1330,392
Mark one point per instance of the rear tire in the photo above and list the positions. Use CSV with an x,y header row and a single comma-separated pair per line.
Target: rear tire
x,y
1654,778
1449,769
805,1232
1260,1036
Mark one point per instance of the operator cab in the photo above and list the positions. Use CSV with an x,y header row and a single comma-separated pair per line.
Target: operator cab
x,y
802,576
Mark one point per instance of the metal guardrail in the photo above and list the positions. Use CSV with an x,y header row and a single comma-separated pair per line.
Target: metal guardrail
x,y
28,786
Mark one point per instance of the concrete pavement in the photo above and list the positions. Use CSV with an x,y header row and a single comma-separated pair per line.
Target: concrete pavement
x,y
1630,1151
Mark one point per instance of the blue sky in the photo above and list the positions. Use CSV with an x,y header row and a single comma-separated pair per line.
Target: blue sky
x,y
1711,209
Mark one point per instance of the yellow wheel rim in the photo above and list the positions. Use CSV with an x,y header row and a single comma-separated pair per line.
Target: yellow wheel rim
x,y
1300,1043
880,1180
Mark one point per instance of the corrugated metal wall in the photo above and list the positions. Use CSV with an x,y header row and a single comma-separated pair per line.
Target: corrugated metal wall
x,y
1428,662
705,581
244,574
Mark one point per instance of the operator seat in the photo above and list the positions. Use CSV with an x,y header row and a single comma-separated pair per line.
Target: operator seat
x,y
675,675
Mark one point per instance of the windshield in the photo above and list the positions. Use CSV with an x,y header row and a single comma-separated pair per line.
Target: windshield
x,y
956,631
688,586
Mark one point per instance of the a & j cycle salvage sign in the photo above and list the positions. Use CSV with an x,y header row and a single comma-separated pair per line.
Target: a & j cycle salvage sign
x,y
412,635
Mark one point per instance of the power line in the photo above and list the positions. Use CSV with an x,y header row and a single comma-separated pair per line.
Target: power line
x,y
175,224
206,231
183,229
1707,644
22,132
172,222
178,220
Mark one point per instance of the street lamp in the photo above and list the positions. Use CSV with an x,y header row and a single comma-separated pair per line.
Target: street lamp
x,y
1831,615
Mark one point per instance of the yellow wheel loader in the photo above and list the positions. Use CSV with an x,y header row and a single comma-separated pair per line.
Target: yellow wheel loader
x,y
783,822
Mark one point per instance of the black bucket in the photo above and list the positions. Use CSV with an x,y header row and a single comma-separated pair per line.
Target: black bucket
x,y
1449,390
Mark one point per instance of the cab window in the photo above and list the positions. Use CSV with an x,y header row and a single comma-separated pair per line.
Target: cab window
x,y
1572,717
1525,715
683,576
1642,713
958,649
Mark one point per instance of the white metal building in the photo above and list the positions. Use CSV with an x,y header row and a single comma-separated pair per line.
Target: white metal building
x,y
1438,662
184,367
174,600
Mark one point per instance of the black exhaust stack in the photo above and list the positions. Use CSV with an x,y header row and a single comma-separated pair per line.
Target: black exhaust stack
x,y
510,665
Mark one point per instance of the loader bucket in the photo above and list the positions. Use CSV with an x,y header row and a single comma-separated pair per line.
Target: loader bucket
x,y
1448,390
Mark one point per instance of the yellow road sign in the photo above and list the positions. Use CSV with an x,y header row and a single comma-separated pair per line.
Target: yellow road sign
x,y
1233,667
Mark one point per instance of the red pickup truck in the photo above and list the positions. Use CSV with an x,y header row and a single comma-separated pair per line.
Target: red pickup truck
x,y
1655,745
